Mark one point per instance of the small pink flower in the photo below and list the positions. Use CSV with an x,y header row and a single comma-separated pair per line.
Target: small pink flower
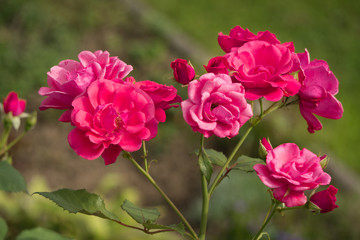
x,y
239,36
164,97
317,93
13,104
217,65
216,106
263,69
290,171
183,71
109,118
71,78
325,199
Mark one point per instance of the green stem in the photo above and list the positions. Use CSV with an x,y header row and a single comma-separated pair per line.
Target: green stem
x,y
163,194
5,136
271,212
10,145
145,157
231,157
205,198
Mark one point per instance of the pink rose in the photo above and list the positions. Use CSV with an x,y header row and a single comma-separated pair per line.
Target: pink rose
x,y
217,65
13,104
216,106
183,71
71,78
318,88
263,69
325,199
289,172
109,118
164,97
239,36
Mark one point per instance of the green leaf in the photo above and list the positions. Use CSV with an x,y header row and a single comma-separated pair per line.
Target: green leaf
x,y
206,167
10,179
40,234
3,228
217,158
80,201
246,164
140,215
176,227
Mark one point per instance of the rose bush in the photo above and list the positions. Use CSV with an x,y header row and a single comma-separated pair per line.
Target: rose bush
x,y
317,93
290,171
216,106
71,78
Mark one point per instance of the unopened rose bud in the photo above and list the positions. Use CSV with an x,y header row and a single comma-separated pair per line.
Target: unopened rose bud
x,y
217,65
13,104
325,200
31,121
264,147
183,71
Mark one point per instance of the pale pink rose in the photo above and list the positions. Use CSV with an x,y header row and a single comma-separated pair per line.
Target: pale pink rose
x,y
183,71
109,118
326,199
13,104
264,69
164,97
290,171
216,106
317,93
71,78
239,36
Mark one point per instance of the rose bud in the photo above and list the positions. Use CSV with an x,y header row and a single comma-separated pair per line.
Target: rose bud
x,y
217,65
325,199
183,71
13,104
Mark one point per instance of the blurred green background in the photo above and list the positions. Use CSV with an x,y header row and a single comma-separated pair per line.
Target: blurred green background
x,y
35,35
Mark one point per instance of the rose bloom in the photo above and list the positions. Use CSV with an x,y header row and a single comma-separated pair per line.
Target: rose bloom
x,y
109,118
183,71
325,199
290,171
239,36
317,93
264,69
13,104
216,106
71,78
164,97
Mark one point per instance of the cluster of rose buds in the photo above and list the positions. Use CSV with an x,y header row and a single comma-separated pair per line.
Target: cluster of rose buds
x,y
110,113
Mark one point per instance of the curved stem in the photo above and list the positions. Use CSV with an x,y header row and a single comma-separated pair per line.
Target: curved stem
x,y
231,157
163,194
10,145
205,198
270,214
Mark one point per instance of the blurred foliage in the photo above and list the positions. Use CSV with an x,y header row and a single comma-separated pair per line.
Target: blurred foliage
x,y
23,212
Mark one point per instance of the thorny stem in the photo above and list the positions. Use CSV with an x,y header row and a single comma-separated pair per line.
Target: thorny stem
x,y
163,194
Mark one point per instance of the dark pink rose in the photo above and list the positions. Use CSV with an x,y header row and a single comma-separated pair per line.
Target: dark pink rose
x,y
317,93
13,104
239,36
290,171
71,78
325,199
164,97
183,71
217,65
216,106
263,69
109,118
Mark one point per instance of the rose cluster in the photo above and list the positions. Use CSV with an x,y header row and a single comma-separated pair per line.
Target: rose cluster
x,y
269,69
110,112
258,66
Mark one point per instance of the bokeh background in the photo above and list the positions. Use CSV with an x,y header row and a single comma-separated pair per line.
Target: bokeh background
x,y
35,35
